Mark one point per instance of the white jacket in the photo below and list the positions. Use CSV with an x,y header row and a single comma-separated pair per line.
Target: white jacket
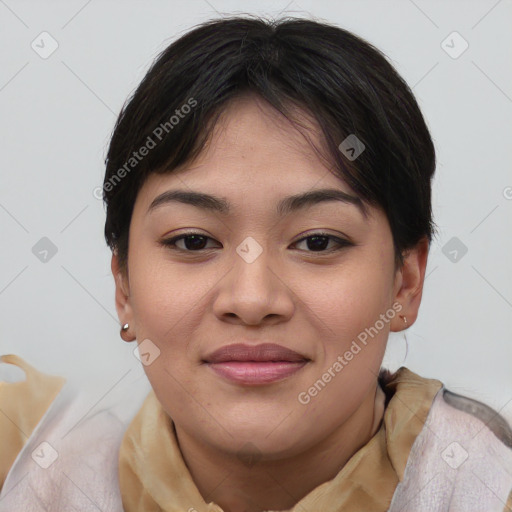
x,y
460,462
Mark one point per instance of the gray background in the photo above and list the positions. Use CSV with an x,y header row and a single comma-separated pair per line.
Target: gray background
x,y
57,114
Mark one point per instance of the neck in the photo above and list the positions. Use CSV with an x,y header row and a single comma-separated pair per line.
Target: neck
x,y
237,486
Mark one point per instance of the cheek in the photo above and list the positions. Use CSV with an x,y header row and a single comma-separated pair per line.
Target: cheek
x,y
348,314
165,296
353,338
350,299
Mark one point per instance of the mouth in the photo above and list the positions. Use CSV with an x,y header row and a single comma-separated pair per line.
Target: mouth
x,y
255,365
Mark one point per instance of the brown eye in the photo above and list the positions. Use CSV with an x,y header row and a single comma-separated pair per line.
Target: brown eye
x,y
318,242
192,242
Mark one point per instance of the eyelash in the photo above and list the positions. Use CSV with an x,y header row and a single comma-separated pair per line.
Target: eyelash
x,y
171,242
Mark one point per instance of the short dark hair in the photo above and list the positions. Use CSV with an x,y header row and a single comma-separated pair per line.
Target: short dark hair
x,y
342,81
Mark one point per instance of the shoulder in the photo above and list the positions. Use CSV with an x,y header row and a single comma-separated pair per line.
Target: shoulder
x,y
492,420
461,460
76,425
23,404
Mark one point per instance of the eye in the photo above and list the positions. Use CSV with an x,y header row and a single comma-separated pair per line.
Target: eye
x,y
315,242
193,242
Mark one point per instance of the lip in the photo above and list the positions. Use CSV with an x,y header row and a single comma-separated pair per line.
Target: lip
x,y
253,373
264,352
255,364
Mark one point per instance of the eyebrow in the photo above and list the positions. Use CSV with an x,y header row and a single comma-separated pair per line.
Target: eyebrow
x,y
285,206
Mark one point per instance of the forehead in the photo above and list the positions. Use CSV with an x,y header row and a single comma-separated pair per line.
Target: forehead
x,y
253,151
249,127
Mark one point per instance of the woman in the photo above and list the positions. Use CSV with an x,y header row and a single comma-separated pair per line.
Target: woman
x,y
268,193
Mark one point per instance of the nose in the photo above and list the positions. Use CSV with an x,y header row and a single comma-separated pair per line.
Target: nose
x,y
254,291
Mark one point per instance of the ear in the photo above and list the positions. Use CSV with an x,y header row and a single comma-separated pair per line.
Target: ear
x,y
123,306
408,287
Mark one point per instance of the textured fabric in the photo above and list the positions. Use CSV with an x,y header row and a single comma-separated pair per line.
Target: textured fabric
x,y
127,457
70,461
456,463
66,465
150,458
22,405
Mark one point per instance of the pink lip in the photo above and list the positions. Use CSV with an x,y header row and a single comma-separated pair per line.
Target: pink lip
x,y
253,373
250,353
255,364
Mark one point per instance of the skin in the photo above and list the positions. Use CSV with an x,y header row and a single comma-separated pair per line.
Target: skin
x,y
314,302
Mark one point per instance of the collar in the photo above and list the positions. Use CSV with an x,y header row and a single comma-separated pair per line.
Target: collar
x,y
154,476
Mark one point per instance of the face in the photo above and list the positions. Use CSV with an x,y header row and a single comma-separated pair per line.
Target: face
x,y
252,273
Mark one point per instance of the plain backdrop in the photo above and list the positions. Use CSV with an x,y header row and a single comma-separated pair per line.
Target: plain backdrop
x,y
58,111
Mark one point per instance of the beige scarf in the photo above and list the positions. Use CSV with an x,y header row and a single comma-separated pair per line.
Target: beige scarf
x,y
154,477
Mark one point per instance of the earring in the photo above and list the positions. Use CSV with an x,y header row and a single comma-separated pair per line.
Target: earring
x,y
124,333
405,336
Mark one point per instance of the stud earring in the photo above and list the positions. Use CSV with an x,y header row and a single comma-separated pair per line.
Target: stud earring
x,y
405,336
124,333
